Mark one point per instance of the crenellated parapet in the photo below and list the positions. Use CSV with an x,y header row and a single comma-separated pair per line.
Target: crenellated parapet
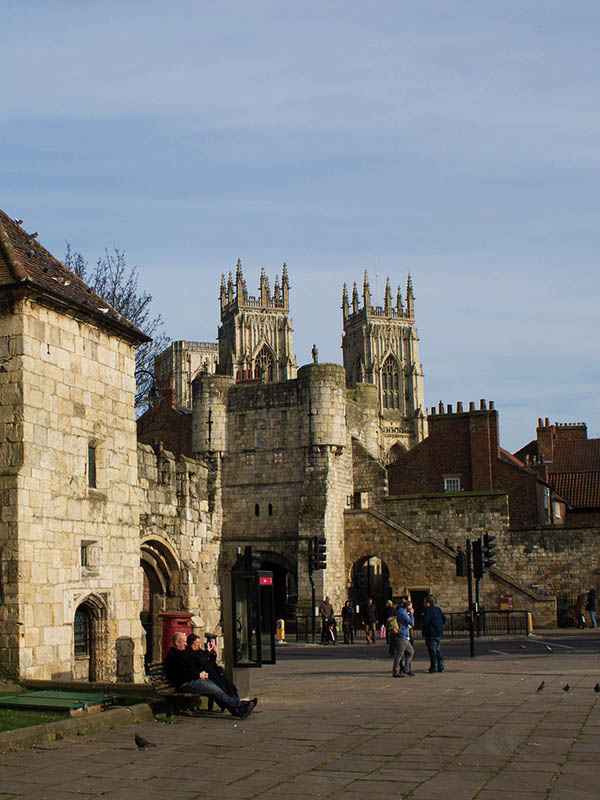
x,y
234,294
391,310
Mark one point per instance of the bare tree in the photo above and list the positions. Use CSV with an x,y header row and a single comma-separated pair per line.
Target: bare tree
x,y
117,283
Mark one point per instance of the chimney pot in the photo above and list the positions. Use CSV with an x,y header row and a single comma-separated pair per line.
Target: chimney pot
x,y
471,406
459,407
491,405
547,422
449,408
482,405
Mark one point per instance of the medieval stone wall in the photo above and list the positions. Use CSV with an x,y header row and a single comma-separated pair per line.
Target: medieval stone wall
x,y
70,387
177,538
421,563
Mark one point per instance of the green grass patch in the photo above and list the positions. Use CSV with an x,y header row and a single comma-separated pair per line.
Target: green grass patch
x,y
13,718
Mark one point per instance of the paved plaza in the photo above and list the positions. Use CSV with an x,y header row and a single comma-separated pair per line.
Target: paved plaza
x,y
332,723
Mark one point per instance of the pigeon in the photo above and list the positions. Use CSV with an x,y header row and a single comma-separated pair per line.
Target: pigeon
x,y
597,688
566,688
548,648
143,744
541,687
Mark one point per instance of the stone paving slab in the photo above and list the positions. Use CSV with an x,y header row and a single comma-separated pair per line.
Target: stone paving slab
x,y
333,727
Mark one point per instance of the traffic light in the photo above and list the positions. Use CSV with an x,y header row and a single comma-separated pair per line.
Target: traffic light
x,y
312,554
461,564
478,568
489,551
321,553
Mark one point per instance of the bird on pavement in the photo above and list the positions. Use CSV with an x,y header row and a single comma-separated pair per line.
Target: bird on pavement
x,y
566,688
597,688
143,744
541,687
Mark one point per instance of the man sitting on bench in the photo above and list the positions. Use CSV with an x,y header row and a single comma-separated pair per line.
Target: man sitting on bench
x,y
182,669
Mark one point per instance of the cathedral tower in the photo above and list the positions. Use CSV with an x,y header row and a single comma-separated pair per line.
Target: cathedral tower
x,y
380,347
255,336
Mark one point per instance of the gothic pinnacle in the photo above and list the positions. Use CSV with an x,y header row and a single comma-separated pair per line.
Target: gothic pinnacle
x,y
366,292
387,303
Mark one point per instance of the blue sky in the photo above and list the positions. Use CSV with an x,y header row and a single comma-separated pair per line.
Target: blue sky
x,y
457,140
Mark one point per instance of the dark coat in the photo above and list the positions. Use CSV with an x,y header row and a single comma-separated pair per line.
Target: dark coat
x,y
433,622
181,666
591,600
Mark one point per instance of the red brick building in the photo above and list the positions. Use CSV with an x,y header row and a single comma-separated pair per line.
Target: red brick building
x,y
570,463
462,454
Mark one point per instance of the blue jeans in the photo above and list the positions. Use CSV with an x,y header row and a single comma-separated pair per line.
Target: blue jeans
x,y
207,688
436,659
593,618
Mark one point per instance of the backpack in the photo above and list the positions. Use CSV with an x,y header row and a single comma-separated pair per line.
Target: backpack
x,y
392,625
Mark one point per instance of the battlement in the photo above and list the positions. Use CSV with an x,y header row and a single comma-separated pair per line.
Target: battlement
x,y
234,294
353,310
565,426
448,410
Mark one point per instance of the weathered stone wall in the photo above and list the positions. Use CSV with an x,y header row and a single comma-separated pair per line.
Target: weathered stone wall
x,y
177,537
282,468
71,386
11,461
421,563
454,517
555,560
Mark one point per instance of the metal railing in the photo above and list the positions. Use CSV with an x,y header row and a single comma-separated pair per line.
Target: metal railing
x,y
487,623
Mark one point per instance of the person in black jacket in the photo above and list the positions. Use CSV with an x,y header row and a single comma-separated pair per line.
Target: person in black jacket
x,y
184,669
433,623
591,606
207,661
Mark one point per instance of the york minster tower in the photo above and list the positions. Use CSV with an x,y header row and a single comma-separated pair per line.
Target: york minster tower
x,y
255,337
380,347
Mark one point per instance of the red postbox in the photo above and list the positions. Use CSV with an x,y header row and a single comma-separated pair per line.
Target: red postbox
x,y
174,622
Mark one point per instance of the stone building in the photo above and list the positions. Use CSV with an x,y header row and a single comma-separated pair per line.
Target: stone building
x,y
98,534
69,531
280,443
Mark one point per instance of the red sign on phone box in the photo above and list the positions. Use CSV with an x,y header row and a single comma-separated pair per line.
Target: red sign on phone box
x,y
265,581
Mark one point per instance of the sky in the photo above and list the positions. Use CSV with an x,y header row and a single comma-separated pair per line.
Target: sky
x,y
458,141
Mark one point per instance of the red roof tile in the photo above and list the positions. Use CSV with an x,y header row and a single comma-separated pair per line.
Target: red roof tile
x,y
580,489
577,456
24,262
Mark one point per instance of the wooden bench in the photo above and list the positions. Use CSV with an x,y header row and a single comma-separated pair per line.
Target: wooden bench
x,y
176,700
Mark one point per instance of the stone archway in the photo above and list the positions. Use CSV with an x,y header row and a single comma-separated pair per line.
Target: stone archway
x,y
161,592
370,577
395,453
90,640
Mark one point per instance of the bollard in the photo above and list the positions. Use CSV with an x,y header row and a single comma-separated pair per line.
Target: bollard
x,y
280,630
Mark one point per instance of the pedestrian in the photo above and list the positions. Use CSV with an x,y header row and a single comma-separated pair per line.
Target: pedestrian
x,y
406,620
348,622
433,623
369,621
580,611
326,614
391,626
591,606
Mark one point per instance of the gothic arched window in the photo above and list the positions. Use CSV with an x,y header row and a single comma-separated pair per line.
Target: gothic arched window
x,y
264,364
390,383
